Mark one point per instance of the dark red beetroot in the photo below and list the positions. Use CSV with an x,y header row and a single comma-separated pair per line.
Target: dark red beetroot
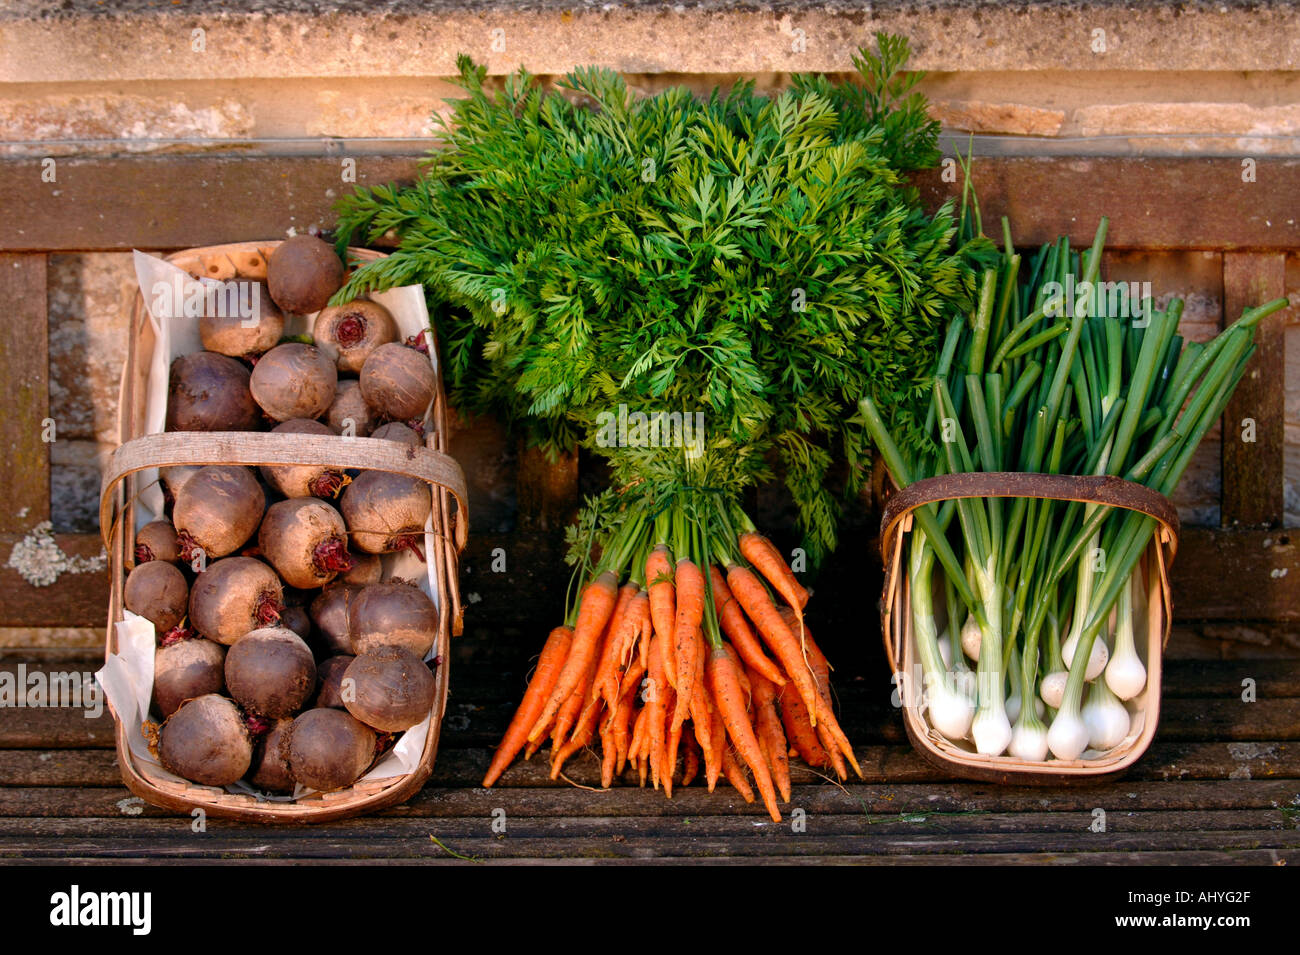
x,y
391,689
271,672
157,541
352,331
305,540
234,596
304,480
296,619
330,676
328,749
329,612
210,392
241,337
366,569
270,767
158,592
294,380
396,431
386,512
206,742
349,415
186,669
393,614
217,511
302,273
398,382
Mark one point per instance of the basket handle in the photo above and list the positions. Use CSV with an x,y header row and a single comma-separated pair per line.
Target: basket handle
x,y
253,448
1105,490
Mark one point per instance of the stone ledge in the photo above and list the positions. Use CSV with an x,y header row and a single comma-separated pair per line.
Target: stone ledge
x,y
80,40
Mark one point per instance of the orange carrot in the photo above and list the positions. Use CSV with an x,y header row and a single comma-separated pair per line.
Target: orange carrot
x,y
770,736
620,728
636,628
656,693
571,711
597,605
745,686
830,734
547,673
702,721
735,774
718,740
738,631
686,633
794,716
638,734
725,683
606,682
691,766
608,755
767,560
776,634
663,600
583,733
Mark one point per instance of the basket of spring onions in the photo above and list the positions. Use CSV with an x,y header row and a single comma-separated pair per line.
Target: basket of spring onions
x,y
1027,551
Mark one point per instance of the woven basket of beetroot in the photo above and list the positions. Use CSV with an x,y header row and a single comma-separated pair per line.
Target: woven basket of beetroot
x,y
283,525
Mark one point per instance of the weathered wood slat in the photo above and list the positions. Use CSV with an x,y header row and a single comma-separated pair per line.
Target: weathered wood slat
x,y
547,490
209,200
1174,857
557,842
1236,575
24,370
1152,203
215,199
1254,425
73,600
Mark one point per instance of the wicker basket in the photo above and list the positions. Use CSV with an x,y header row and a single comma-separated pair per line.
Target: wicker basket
x,y
139,451
900,645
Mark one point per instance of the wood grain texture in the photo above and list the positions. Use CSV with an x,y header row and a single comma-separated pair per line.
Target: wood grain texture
x,y
1152,203
547,490
24,370
118,204
1254,425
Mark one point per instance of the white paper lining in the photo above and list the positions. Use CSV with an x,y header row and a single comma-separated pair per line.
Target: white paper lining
x,y
127,676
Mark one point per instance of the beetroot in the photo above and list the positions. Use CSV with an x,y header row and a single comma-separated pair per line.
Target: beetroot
x,y
351,332
302,273
386,512
206,742
216,511
240,337
398,382
270,767
349,414
304,480
294,380
271,672
210,392
396,431
330,676
187,669
157,541
366,569
296,619
395,613
305,540
234,596
391,689
328,749
158,592
329,612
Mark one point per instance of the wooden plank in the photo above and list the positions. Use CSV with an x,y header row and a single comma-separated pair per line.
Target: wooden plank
x,y
1254,426
25,369
1236,574
1152,203
73,600
555,840
114,203
177,202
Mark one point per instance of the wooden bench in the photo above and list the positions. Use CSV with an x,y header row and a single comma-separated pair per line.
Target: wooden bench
x,y
1221,784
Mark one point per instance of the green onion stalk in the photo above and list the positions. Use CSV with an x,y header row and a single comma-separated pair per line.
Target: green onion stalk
x,y
1048,375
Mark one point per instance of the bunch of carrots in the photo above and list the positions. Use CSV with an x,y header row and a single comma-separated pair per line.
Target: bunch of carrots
x,y
687,646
